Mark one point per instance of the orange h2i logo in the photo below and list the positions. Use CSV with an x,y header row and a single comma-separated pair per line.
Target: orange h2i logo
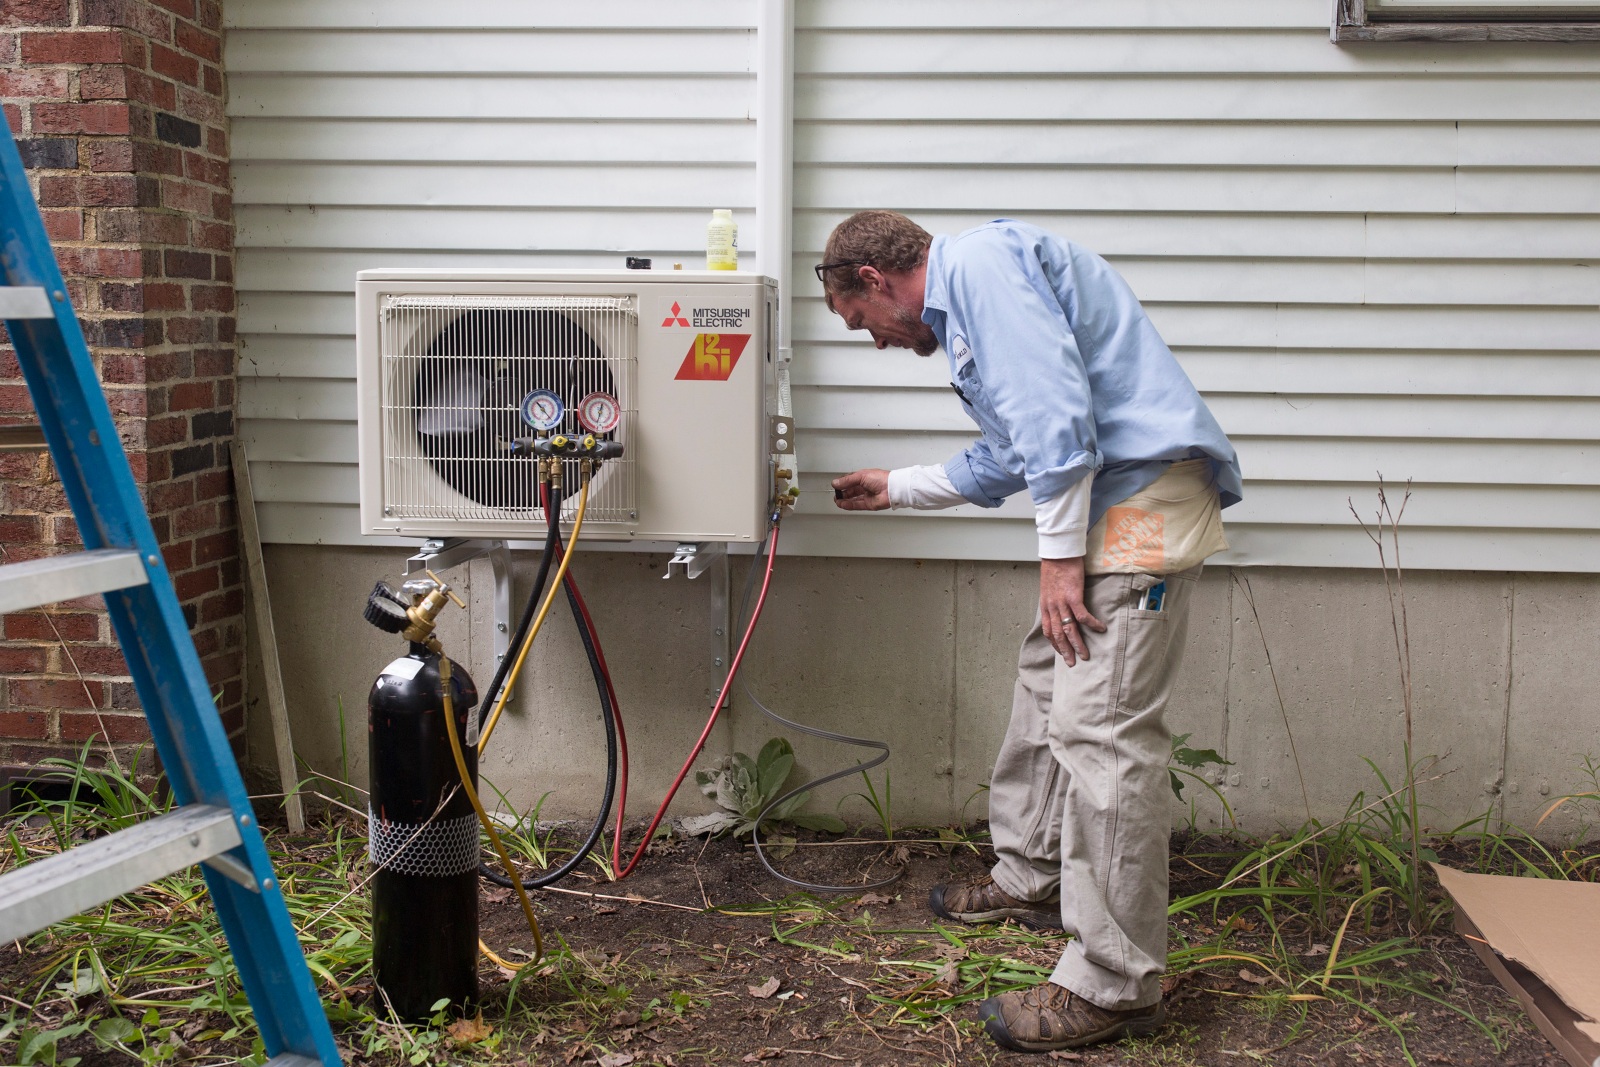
x,y
712,357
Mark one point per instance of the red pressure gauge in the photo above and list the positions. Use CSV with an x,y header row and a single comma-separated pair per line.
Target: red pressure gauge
x,y
599,412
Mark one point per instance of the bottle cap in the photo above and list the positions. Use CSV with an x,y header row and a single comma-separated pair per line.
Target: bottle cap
x,y
722,213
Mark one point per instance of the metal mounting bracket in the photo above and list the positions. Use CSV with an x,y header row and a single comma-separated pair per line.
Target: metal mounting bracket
x,y
696,559
443,553
780,434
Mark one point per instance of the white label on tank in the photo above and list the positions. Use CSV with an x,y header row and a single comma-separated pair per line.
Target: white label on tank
x,y
405,667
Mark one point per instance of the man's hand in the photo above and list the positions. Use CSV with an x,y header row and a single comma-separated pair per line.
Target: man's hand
x,y
1061,610
864,490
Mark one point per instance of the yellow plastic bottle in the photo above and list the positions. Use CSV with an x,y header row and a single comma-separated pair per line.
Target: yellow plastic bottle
x,y
722,241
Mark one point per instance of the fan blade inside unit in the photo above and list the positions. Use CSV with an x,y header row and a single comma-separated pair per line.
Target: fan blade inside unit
x,y
457,405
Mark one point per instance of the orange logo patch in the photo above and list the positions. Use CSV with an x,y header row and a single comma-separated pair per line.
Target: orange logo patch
x,y
1135,538
712,357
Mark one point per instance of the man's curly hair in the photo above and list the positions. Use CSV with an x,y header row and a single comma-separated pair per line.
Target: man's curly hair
x,y
883,239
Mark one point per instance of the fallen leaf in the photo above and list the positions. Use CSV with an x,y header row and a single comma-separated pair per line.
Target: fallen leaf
x,y
1252,977
875,898
951,952
469,1031
1063,1054
497,895
624,1019
1318,949
765,989
1240,923
769,1053
900,856
949,975
616,1059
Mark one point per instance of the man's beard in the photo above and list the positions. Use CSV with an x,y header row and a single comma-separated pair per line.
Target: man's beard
x,y
924,342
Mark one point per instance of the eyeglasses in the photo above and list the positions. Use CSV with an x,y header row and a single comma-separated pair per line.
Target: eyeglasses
x,y
820,267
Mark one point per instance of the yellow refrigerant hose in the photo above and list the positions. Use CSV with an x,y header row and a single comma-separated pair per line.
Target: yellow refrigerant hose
x,y
488,825
544,610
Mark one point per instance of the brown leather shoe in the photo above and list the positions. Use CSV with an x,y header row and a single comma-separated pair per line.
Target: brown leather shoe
x,y
979,900
1050,1017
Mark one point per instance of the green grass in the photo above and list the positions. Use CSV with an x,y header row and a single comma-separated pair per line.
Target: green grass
x,y
1319,917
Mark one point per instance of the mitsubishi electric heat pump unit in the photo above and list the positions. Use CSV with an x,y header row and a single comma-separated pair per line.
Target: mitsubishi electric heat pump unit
x,y
455,366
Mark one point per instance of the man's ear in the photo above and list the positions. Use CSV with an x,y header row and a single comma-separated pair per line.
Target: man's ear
x,y
873,279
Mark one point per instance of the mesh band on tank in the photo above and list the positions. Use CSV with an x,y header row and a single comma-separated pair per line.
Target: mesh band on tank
x,y
439,849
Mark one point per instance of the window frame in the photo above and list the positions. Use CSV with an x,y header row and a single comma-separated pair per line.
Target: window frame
x,y
1351,23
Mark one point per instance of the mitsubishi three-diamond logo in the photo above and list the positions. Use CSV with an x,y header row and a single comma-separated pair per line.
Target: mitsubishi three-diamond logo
x,y
676,317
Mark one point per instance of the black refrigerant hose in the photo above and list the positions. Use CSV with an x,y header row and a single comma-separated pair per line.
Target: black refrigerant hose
x,y
492,694
607,711
882,748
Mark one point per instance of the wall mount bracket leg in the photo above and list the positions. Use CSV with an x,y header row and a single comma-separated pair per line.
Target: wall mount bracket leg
x,y
440,554
696,559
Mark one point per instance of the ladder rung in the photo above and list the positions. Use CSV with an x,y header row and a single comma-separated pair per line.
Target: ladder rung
x,y
56,578
289,1059
25,302
25,438
49,890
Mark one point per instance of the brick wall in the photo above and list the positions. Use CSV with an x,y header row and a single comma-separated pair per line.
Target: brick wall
x,y
117,106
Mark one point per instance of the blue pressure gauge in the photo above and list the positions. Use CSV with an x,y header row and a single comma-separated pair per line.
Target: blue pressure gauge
x,y
543,410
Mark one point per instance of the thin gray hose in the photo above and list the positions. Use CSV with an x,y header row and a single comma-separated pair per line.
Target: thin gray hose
x,y
812,731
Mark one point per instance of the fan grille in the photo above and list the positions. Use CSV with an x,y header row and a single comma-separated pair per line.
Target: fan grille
x,y
456,370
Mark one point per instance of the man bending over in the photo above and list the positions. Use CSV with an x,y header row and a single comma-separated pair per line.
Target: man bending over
x,y
1080,403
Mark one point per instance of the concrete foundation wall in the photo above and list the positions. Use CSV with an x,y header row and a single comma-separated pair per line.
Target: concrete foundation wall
x,y
921,654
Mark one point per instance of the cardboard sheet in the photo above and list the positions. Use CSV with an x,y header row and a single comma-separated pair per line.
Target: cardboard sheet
x,y
1541,938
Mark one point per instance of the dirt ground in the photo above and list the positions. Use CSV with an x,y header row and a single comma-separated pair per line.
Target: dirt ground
x,y
839,997
702,957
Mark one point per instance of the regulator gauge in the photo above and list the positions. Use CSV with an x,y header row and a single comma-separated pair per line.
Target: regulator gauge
x,y
543,410
599,412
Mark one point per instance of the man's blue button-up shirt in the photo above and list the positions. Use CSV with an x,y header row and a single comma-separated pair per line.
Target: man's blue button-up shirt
x,y
1062,370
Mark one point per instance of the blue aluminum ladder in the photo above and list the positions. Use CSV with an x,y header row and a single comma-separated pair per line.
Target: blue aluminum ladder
x,y
212,823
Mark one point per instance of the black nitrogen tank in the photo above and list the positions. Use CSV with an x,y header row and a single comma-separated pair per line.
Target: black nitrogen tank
x,y
425,891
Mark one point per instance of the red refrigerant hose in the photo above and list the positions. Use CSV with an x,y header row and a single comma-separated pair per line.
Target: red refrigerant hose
x,y
716,709
622,741
616,708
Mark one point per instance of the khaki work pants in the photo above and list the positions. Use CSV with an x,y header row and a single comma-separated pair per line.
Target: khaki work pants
x,y
1080,799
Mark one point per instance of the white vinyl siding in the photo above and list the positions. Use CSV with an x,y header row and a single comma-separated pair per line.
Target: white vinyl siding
x,y
1371,259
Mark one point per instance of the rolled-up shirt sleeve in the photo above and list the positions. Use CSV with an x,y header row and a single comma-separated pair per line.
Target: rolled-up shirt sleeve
x,y
1028,360
981,478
